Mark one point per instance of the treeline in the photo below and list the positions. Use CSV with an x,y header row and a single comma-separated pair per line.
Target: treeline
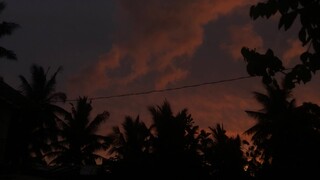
x,y
48,140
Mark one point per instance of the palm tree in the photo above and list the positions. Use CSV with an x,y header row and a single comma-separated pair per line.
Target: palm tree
x,y
6,28
288,136
131,148
80,142
175,143
170,129
43,115
225,157
272,120
133,142
42,89
39,118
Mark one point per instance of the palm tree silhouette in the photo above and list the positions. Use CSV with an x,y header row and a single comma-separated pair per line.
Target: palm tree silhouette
x,y
175,143
80,142
6,28
41,115
133,142
131,147
170,129
272,120
224,155
287,135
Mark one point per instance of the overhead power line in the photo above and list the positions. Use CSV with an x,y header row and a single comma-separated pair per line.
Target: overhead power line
x,y
166,89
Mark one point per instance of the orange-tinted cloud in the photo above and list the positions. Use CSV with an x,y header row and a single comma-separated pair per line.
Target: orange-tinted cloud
x,y
294,51
153,35
241,36
94,76
173,75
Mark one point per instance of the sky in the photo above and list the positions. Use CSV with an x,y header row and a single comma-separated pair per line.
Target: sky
x,y
111,47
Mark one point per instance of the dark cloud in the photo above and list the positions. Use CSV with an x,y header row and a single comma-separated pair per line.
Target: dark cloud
x,y
122,46
154,35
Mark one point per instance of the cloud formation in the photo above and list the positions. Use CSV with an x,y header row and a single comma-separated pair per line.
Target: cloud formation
x,y
241,36
295,50
153,35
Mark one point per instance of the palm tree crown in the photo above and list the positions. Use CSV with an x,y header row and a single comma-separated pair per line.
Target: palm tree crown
x,y
6,28
273,119
41,115
132,143
80,139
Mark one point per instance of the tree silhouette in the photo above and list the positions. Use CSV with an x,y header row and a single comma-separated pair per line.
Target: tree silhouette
x,y
289,136
223,155
132,143
42,115
267,65
39,116
173,143
273,118
286,135
6,28
131,148
170,129
80,142
302,149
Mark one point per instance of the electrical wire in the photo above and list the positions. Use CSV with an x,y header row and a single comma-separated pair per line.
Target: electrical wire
x,y
166,89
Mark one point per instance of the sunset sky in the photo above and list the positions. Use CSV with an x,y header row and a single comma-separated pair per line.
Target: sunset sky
x,y
110,47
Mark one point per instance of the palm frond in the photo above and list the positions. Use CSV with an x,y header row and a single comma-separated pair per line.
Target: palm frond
x,y
260,116
6,28
129,126
38,79
57,110
51,83
218,133
25,86
97,121
263,99
117,137
254,129
7,54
